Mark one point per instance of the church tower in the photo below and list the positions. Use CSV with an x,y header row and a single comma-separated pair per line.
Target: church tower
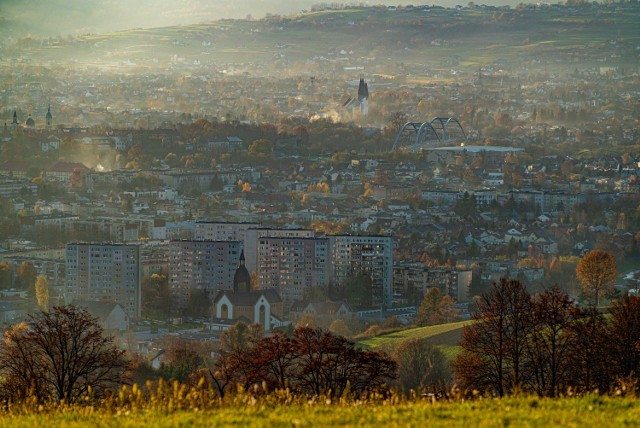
x,y
241,279
14,123
49,118
363,96
30,123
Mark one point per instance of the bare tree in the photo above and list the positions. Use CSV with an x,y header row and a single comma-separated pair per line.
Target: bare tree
x,y
625,336
312,361
550,342
493,348
327,363
421,365
233,363
591,368
60,355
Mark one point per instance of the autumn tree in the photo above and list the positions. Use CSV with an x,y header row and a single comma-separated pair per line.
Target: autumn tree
x,y
340,327
42,292
307,320
182,358
328,363
260,148
597,271
232,365
357,289
436,309
199,304
241,336
58,355
395,121
272,362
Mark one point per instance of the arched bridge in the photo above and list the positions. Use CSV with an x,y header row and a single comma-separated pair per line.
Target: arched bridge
x,y
414,136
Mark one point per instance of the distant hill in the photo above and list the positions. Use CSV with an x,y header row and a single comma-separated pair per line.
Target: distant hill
x,y
62,17
439,38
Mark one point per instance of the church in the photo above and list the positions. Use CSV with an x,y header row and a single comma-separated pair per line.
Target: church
x,y
243,304
30,123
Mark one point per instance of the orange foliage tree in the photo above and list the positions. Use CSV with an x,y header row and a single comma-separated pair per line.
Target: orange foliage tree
x,y
597,271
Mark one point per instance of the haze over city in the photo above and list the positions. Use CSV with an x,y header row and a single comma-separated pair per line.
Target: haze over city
x,y
295,213
62,17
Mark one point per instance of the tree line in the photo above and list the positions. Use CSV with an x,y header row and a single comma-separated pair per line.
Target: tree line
x,y
546,344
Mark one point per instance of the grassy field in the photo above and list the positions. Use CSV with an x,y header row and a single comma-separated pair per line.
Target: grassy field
x,y
591,411
445,336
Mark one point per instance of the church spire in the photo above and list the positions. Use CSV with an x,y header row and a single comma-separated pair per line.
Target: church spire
x,y
49,117
242,278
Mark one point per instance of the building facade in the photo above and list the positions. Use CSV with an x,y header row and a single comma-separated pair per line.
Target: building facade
x,y
292,265
412,280
252,236
201,265
104,272
221,231
368,254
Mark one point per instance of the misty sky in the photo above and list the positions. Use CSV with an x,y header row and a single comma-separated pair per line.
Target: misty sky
x,y
61,17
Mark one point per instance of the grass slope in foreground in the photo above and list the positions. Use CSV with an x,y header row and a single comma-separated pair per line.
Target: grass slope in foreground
x,y
591,411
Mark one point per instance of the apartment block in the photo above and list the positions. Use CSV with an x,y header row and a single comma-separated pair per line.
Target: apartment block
x,y
292,265
252,237
104,272
201,265
221,231
368,254
412,280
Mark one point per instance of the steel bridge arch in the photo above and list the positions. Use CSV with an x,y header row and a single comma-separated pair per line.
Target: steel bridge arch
x,y
415,135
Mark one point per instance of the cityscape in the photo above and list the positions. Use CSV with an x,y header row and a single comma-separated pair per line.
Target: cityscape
x,y
382,179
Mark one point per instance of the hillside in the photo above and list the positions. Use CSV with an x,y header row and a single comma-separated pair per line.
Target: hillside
x,y
377,39
445,336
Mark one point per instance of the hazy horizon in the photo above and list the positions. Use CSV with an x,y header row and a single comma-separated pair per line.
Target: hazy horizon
x,y
62,17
